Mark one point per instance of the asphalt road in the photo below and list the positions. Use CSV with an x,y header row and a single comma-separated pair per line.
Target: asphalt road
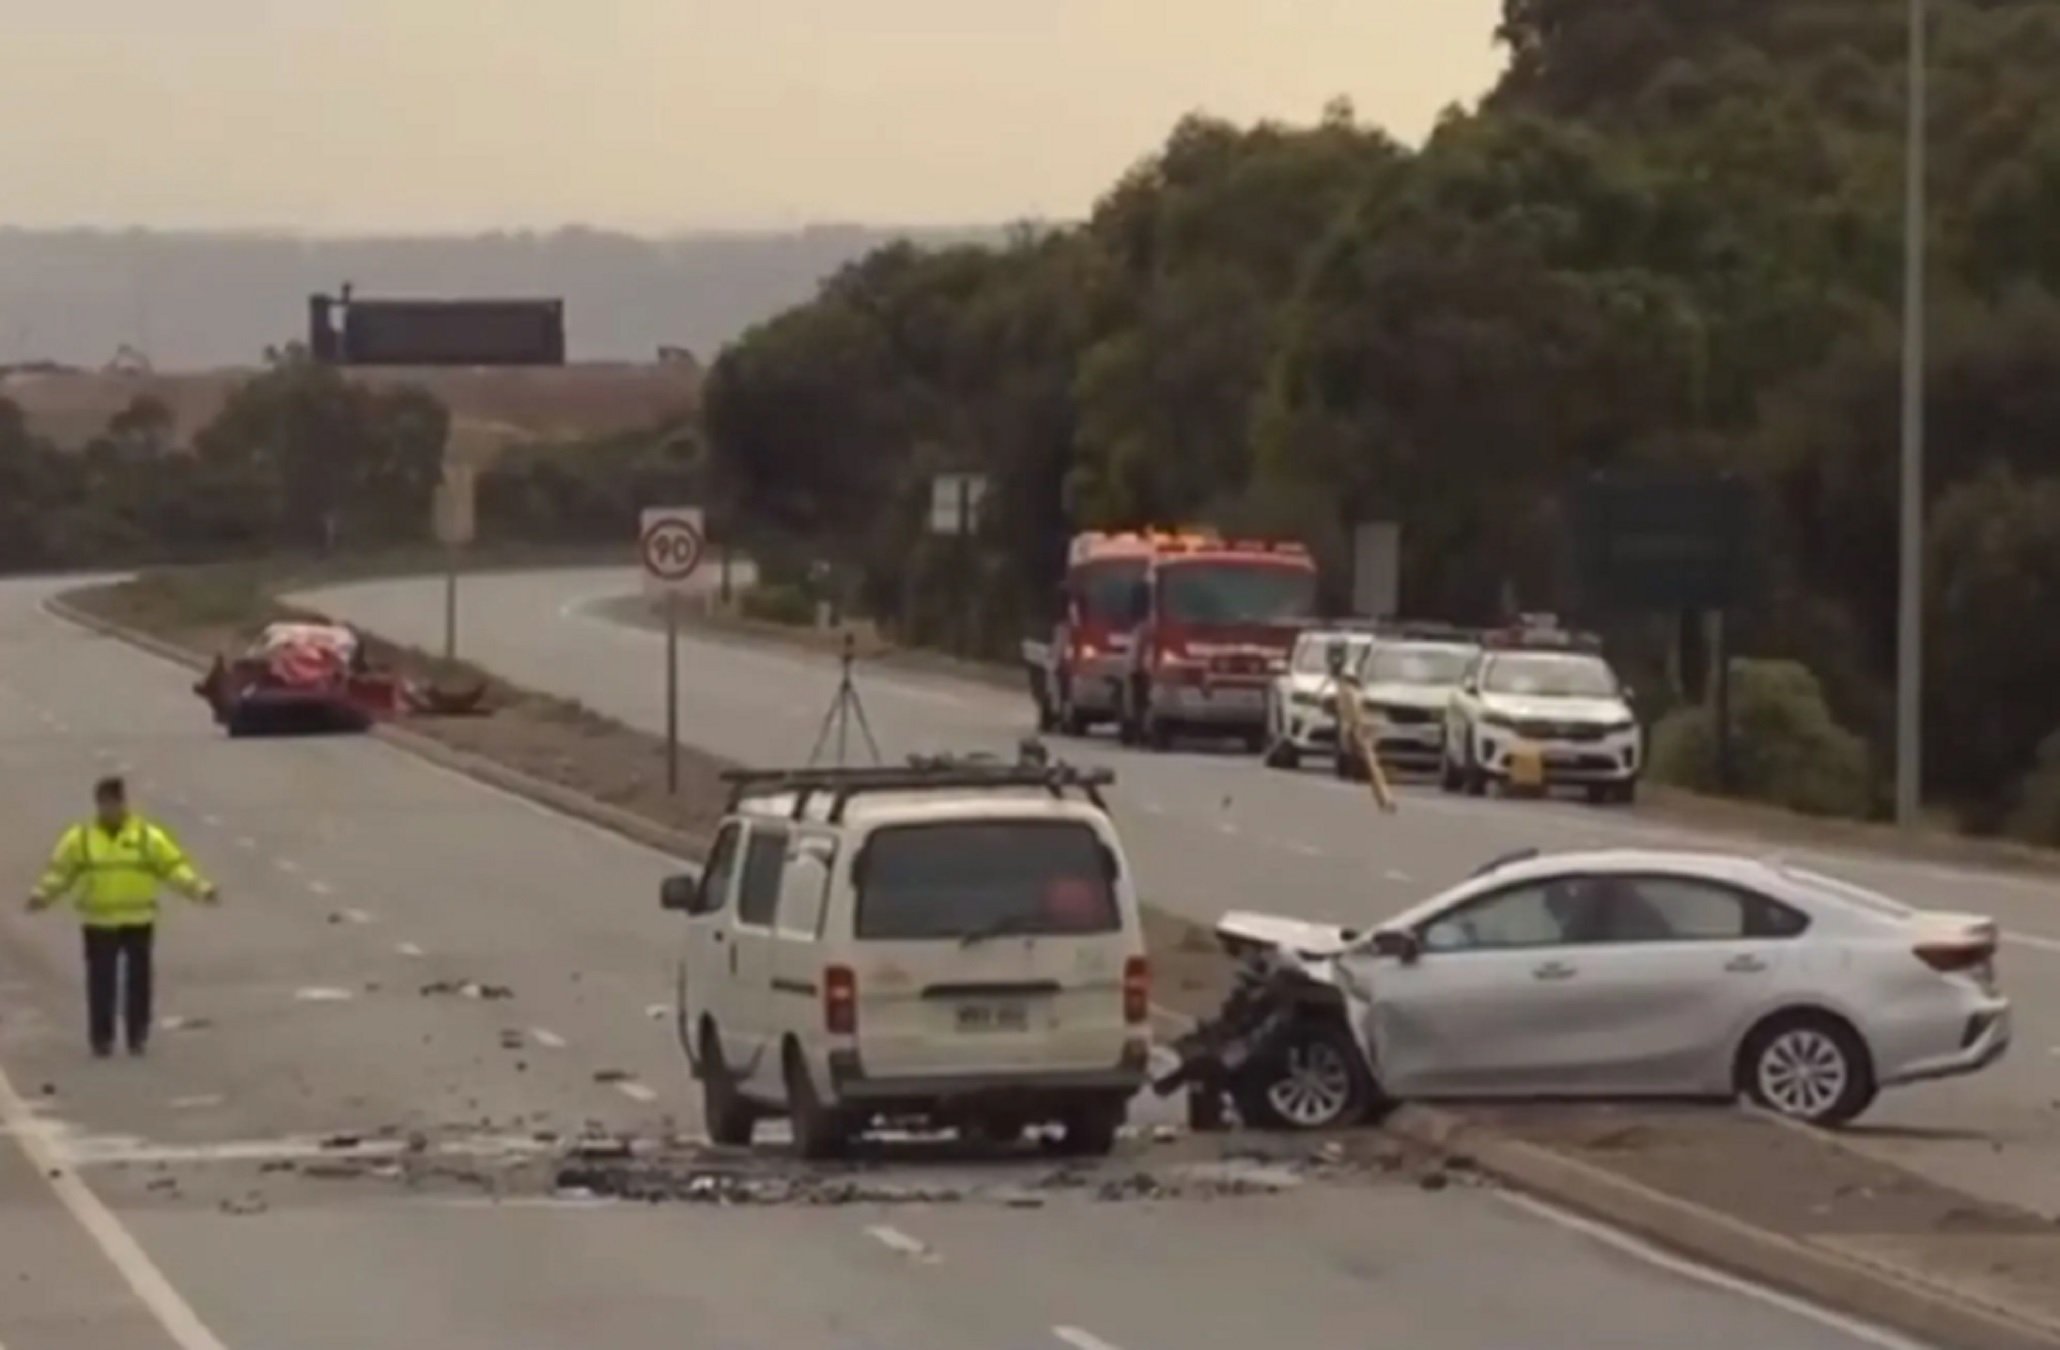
x,y
1212,831
318,1153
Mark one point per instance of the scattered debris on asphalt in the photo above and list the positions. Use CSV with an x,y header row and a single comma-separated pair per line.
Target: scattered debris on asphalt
x,y
184,1023
613,1076
467,989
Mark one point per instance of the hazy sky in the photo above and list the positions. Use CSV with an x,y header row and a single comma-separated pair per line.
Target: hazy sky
x,y
332,115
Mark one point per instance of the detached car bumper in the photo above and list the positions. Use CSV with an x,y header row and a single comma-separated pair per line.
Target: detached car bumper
x,y
1984,1039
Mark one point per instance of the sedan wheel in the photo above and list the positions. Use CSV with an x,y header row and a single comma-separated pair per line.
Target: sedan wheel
x,y
1315,1081
1810,1069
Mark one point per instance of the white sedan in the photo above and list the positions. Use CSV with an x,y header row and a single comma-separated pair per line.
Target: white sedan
x,y
1632,973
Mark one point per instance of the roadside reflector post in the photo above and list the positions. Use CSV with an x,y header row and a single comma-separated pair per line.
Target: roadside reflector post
x,y
670,546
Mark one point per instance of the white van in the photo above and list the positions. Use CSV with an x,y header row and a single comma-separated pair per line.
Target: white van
x,y
952,943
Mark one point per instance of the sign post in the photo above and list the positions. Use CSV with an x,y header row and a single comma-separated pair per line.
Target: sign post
x,y
955,501
456,524
670,544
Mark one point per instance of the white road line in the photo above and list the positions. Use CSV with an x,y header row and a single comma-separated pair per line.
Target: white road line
x,y
123,1252
1667,1261
286,865
321,888
1229,827
636,1091
357,916
550,1040
322,995
1304,848
894,1240
210,819
1082,1340
2037,944
407,949
1395,874
244,841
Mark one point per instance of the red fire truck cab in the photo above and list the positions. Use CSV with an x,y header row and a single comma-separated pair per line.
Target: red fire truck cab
x,y
1077,676
1215,621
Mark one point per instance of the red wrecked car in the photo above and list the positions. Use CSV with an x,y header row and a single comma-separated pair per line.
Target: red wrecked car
x,y
309,678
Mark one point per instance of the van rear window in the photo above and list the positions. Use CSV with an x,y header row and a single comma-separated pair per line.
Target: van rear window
x,y
991,877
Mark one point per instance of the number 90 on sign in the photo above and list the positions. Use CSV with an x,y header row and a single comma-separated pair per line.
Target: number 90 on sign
x,y
670,544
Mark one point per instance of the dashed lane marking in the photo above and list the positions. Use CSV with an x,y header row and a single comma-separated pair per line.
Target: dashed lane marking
x,y
408,949
1082,1340
321,888
357,916
894,1240
286,865
322,995
635,1091
550,1040
123,1252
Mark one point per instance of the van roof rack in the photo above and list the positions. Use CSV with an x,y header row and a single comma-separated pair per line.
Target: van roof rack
x,y
939,773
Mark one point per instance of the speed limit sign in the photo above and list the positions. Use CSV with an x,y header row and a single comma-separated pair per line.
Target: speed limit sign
x,y
670,544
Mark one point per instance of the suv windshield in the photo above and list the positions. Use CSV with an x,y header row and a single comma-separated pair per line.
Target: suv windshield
x,y
1415,665
1001,877
1313,656
1103,590
1550,675
1205,593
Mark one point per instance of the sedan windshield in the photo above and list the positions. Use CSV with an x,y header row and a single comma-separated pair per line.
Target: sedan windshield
x,y
1229,593
1550,675
1425,665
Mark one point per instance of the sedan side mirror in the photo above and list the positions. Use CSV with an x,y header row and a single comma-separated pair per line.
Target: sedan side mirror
x,y
1398,943
681,893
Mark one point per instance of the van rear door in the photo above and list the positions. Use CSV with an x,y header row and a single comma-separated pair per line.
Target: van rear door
x,y
990,946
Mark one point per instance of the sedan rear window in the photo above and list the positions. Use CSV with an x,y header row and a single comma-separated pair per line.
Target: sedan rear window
x,y
1002,878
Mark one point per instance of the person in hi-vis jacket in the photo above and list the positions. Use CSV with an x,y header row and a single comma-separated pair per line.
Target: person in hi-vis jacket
x,y
112,866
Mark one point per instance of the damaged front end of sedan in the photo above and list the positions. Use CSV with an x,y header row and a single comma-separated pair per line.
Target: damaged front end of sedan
x,y
1285,1051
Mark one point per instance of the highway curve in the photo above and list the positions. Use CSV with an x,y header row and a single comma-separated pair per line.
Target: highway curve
x,y
332,1145
1215,830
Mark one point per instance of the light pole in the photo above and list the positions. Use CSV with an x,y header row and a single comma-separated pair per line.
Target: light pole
x,y
1910,608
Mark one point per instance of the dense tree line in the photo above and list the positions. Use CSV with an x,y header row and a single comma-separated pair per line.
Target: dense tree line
x,y
297,460
1670,236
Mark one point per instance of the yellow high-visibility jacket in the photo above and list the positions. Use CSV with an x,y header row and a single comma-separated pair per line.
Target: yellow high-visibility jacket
x,y
114,876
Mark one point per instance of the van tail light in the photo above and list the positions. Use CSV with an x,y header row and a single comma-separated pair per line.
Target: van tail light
x,y
840,1001
1970,955
1137,990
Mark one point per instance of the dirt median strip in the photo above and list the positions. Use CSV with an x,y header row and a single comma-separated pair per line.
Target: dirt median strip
x,y
1762,1201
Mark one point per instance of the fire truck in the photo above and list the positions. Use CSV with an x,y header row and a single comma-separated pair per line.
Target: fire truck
x,y
1077,676
1215,621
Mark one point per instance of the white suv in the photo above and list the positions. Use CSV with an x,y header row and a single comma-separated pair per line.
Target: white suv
x,y
1301,704
1406,684
952,943
1557,696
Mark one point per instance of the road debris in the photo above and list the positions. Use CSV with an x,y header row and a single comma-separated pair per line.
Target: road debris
x,y
467,989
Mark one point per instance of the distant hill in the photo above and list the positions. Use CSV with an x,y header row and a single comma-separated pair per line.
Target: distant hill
x,y
201,301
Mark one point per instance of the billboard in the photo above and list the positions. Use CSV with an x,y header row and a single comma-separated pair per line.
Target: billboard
x,y
354,332
1665,541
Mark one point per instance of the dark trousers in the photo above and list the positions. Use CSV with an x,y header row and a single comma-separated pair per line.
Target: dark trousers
x,y
118,960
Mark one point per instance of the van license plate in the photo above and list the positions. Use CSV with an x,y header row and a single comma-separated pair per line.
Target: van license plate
x,y
993,1017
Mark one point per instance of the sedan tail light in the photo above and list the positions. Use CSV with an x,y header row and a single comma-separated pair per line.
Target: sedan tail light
x,y
840,1001
1953,955
1137,990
